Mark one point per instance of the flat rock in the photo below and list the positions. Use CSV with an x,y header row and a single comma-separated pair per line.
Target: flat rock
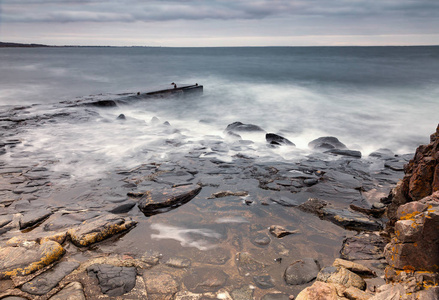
x,y
154,202
113,281
301,271
98,229
363,247
160,286
341,275
28,258
280,232
72,291
33,217
201,280
43,283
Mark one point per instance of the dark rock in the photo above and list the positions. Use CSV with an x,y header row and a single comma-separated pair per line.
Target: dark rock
x,y
43,283
69,220
102,103
351,153
264,281
280,232
375,212
26,259
310,182
33,217
98,229
301,271
113,281
121,117
154,202
123,208
275,296
240,127
327,142
72,291
363,247
275,139
202,280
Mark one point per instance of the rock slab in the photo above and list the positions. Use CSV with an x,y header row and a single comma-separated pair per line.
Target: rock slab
x,y
114,281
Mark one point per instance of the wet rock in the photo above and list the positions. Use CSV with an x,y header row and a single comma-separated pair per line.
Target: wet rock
x,y
151,257
382,153
33,217
113,281
327,142
261,240
28,258
243,293
160,286
264,281
246,263
121,117
319,290
98,229
354,267
154,202
286,201
311,182
351,153
43,283
301,271
240,127
341,275
228,193
280,232
72,291
274,139
363,247
69,220
275,296
123,208
202,280
178,262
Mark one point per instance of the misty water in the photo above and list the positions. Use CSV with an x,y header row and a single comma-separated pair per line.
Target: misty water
x,y
367,97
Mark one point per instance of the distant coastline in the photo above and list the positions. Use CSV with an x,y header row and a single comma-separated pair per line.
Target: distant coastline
x,y
3,45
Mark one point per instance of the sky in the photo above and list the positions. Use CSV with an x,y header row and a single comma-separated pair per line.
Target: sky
x,y
213,23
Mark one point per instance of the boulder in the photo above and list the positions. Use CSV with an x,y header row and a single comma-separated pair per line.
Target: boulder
x,y
72,291
113,281
45,282
325,143
301,271
241,127
28,258
277,140
98,229
160,286
154,202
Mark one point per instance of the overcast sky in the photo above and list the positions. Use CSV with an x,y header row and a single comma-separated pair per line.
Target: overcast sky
x,y
220,22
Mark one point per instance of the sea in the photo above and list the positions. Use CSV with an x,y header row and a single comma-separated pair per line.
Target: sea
x,y
87,159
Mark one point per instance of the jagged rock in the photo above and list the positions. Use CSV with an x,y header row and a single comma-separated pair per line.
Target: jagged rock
x,y
201,280
72,291
354,267
274,139
363,247
33,217
341,275
154,202
43,283
240,127
160,286
28,258
280,232
301,271
326,142
98,229
113,281
246,263
320,290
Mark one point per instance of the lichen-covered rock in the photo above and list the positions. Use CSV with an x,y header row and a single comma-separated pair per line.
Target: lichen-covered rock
x,y
28,258
153,202
98,229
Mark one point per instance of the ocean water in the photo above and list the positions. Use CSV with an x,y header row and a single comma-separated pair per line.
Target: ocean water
x,y
368,97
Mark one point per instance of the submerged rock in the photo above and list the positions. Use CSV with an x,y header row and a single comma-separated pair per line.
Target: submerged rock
x,y
114,281
246,263
264,281
160,286
301,271
28,258
280,232
202,280
98,229
154,202
44,283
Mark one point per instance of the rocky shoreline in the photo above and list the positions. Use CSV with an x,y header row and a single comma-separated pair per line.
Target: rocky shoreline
x,y
252,229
